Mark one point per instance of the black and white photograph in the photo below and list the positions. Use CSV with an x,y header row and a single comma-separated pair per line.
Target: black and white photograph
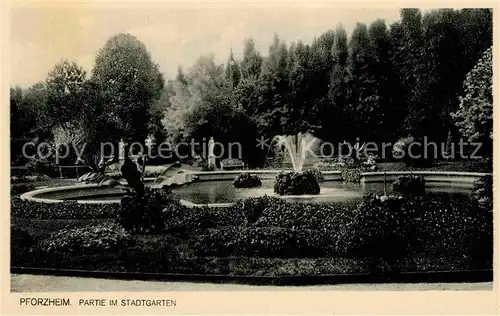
x,y
246,149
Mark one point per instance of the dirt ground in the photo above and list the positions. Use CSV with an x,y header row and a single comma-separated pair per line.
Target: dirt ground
x,y
41,283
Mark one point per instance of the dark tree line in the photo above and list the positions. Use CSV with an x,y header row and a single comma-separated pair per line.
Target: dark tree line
x,y
380,83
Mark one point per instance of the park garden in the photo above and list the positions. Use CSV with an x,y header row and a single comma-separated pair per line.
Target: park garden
x,y
284,207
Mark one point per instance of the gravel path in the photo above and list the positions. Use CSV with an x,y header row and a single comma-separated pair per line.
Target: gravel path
x,y
42,283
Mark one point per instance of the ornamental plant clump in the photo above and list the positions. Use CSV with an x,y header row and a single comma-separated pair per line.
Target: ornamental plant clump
x,y
247,180
295,183
141,209
144,213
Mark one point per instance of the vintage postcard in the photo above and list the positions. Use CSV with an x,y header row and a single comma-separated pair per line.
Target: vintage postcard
x,y
312,158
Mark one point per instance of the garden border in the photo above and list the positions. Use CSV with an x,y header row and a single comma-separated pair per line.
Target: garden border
x,y
472,276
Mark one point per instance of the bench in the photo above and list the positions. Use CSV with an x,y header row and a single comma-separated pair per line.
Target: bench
x,y
231,164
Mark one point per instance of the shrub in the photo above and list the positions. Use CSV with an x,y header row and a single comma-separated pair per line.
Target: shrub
x,y
253,208
375,231
29,177
62,210
316,173
145,213
269,242
21,188
454,223
184,220
42,166
247,180
352,175
410,186
294,183
155,254
434,231
483,192
20,243
328,216
87,239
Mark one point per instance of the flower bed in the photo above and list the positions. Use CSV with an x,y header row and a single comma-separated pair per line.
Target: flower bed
x,y
247,180
296,183
62,210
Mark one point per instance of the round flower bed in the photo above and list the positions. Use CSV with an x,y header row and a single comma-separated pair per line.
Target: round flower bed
x,y
296,183
247,180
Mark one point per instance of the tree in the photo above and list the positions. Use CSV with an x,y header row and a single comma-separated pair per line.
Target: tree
x,y
16,114
130,83
247,92
320,68
212,110
178,102
364,98
474,117
274,89
442,72
64,92
406,46
386,113
233,73
382,84
251,63
300,113
338,117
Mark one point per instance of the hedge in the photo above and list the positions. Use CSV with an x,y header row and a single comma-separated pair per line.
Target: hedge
x,y
269,242
28,178
62,210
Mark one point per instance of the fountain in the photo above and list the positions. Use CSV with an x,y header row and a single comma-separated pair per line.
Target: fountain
x,y
297,182
297,147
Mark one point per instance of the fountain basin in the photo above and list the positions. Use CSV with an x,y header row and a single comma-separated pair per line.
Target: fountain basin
x,y
215,188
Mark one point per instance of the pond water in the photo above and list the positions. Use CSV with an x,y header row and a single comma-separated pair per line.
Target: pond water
x,y
208,192
225,192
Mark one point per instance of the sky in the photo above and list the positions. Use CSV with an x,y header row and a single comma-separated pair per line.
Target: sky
x,y
40,37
